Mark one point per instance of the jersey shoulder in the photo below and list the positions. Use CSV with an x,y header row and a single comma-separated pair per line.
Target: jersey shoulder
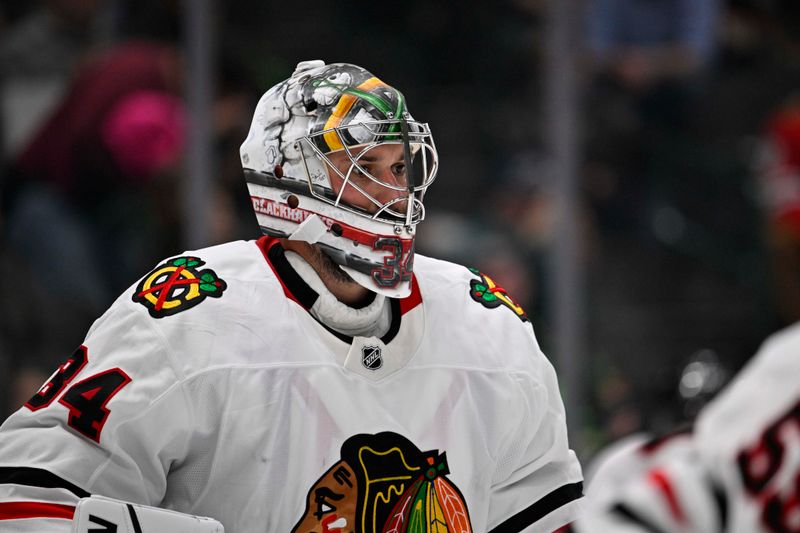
x,y
197,302
190,280
733,418
458,284
200,283
464,305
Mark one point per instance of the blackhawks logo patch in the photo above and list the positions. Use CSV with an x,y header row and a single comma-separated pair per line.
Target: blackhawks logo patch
x,y
384,483
486,292
177,285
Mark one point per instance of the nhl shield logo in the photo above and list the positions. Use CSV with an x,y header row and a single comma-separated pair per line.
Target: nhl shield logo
x,y
371,357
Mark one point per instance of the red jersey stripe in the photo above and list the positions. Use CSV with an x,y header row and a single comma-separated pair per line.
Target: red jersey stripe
x,y
660,479
17,510
413,299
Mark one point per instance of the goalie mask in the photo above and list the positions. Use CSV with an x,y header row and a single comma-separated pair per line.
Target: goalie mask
x,y
333,157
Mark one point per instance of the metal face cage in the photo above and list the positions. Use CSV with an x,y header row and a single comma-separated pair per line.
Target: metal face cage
x,y
358,140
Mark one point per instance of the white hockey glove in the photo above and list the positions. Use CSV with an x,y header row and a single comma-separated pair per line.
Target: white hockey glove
x,y
104,515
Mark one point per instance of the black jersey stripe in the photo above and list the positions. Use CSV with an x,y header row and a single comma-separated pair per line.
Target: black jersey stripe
x,y
134,519
290,278
721,499
394,326
37,477
630,515
558,498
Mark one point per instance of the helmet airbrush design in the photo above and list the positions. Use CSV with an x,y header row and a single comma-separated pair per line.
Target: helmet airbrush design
x,y
309,161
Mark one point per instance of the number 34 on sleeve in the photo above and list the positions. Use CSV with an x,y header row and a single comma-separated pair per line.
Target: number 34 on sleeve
x,y
86,399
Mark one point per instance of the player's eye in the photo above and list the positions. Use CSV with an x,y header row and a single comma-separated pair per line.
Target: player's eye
x,y
360,176
399,169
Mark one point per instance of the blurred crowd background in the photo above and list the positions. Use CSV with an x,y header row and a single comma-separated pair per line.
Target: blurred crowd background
x,y
689,169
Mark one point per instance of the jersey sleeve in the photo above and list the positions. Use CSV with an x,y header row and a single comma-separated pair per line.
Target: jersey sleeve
x,y
675,494
109,421
538,486
748,437
643,484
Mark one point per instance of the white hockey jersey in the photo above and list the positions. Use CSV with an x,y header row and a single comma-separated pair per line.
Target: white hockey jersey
x,y
738,472
209,389
749,438
633,488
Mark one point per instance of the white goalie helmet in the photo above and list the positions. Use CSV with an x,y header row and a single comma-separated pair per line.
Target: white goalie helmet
x,y
333,157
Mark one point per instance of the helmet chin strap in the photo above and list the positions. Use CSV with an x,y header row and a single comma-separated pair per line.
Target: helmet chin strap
x,y
310,230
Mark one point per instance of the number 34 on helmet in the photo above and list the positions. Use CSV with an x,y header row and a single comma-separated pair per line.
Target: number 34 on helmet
x,y
334,157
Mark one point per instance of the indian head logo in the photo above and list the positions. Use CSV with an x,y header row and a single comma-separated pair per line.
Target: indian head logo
x,y
177,285
385,484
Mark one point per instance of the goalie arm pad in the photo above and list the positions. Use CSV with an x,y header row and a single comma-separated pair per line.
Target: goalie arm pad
x,y
106,515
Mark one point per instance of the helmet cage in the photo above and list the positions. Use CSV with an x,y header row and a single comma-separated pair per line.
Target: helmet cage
x,y
357,139
365,222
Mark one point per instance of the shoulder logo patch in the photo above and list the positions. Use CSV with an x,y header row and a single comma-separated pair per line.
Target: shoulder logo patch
x,y
487,293
177,285
384,483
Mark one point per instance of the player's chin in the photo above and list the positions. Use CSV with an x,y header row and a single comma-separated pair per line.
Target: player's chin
x,y
331,267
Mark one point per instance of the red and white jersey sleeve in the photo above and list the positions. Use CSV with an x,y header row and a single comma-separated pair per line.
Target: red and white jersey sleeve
x,y
642,484
110,421
739,472
749,439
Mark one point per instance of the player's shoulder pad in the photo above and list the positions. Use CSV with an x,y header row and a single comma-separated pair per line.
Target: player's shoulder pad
x,y
732,420
465,304
454,281
185,281
97,513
